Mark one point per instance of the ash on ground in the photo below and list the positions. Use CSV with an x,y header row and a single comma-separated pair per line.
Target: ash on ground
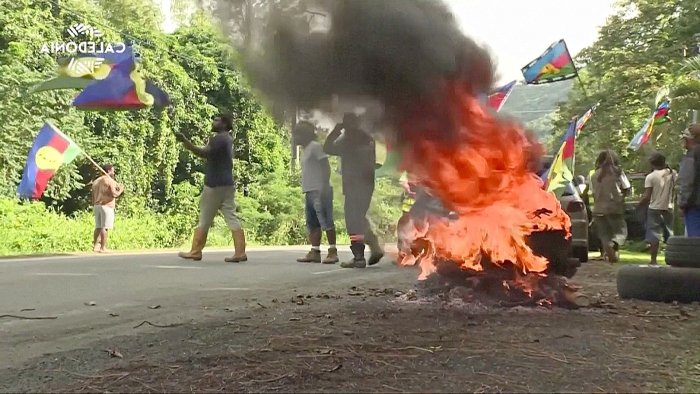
x,y
481,292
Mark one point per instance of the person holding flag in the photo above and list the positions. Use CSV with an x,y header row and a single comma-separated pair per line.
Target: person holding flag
x,y
105,191
219,189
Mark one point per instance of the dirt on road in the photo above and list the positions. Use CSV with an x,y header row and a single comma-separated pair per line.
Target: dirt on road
x,y
387,340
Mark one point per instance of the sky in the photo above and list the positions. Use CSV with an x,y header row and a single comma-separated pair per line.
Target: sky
x,y
518,31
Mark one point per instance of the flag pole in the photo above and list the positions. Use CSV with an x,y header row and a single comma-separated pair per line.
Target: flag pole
x,y
583,87
102,170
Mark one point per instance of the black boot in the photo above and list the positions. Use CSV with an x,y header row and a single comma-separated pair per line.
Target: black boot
x,y
376,251
358,259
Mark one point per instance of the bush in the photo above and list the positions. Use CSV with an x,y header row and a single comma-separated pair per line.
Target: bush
x,y
34,228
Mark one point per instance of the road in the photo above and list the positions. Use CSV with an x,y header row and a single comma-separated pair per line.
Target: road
x,y
102,296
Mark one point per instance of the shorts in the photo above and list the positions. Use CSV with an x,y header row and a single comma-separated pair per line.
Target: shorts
x,y
318,207
104,217
218,199
611,228
658,225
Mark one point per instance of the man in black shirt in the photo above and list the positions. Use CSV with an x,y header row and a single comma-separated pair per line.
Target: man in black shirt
x,y
357,153
219,189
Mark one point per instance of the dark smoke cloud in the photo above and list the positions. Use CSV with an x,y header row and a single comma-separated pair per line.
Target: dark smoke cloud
x,y
396,51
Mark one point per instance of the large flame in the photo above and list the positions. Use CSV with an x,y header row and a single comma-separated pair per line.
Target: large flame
x,y
483,170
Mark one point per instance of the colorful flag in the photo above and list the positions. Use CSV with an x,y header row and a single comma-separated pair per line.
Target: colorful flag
x,y
560,172
123,89
581,123
659,116
499,97
80,71
110,81
555,64
51,149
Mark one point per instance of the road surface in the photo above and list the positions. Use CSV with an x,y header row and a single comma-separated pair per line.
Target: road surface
x,y
102,296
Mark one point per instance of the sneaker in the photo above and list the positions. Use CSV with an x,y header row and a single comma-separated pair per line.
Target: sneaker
x,y
332,256
354,263
314,256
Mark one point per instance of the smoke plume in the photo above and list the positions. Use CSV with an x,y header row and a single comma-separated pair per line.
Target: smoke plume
x,y
397,52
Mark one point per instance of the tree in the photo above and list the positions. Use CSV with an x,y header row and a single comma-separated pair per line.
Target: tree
x,y
639,50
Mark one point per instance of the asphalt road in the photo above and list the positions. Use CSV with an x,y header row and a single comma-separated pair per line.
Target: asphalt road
x,y
102,296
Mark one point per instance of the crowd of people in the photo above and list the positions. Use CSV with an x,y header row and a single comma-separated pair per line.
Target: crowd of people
x,y
607,186
604,194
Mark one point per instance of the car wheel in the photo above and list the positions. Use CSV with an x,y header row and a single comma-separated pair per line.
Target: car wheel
x,y
683,252
581,253
659,283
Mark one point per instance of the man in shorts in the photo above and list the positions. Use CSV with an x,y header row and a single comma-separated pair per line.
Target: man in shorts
x,y
318,194
105,191
658,193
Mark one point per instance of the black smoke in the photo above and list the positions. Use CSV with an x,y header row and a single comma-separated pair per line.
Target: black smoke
x,y
398,52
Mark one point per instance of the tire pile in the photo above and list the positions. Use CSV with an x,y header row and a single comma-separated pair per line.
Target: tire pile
x,y
678,281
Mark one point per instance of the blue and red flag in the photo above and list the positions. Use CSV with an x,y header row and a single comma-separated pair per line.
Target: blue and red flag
x,y
110,81
554,65
124,88
50,151
659,116
581,123
500,95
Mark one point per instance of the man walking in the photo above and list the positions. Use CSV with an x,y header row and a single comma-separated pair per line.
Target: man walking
x,y
105,191
358,159
219,189
689,181
318,194
658,193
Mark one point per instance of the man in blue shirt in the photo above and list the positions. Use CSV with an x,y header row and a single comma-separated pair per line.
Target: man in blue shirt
x,y
219,189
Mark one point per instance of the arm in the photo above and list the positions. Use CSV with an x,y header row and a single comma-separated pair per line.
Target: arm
x,y
330,147
116,189
202,152
325,171
686,176
648,188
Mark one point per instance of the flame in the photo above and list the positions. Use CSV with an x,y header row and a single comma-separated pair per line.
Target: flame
x,y
484,172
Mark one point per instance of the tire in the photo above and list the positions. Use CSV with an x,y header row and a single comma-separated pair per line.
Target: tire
x,y
683,252
659,283
581,253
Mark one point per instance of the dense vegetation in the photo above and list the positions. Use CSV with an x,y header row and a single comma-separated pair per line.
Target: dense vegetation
x,y
639,50
196,66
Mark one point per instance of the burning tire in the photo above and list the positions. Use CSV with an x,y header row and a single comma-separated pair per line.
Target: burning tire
x,y
683,252
659,283
581,253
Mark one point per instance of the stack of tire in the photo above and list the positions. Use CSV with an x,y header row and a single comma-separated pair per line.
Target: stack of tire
x,y
679,280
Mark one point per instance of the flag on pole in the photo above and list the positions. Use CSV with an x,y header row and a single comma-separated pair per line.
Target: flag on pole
x,y
560,173
659,116
50,151
500,95
554,65
581,123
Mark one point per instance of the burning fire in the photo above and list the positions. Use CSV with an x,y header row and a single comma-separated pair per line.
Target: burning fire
x,y
484,172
